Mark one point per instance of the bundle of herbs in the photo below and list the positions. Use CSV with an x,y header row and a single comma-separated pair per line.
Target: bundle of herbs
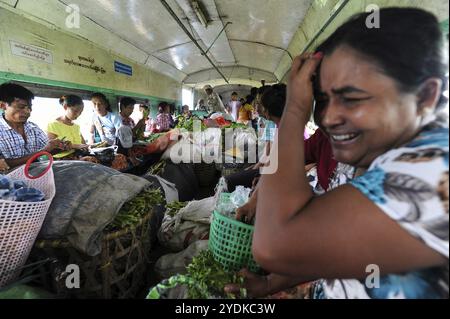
x,y
173,208
158,168
132,211
208,278
188,123
153,137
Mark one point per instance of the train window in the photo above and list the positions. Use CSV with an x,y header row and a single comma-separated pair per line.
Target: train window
x,y
188,98
85,119
136,115
46,110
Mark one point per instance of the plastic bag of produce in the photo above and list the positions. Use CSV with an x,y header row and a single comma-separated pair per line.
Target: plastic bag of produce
x,y
189,225
172,264
227,203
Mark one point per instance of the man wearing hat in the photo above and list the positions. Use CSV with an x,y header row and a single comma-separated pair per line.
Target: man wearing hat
x,y
213,102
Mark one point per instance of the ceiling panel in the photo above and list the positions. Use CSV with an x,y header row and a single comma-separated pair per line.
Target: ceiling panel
x,y
145,24
256,56
145,32
238,72
211,36
186,58
268,21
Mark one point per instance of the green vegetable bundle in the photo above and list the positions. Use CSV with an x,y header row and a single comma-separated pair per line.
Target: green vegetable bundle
x,y
132,211
234,125
174,207
153,137
188,123
209,278
158,168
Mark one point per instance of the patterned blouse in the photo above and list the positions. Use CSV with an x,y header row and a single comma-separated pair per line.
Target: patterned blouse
x,y
410,185
12,144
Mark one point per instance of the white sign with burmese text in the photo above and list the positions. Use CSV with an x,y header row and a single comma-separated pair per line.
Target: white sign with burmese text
x,y
31,52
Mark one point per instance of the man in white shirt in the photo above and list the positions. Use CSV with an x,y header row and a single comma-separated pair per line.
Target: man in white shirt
x,y
233,106
213,102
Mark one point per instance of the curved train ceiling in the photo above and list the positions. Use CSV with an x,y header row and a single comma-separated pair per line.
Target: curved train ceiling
x,y
200,41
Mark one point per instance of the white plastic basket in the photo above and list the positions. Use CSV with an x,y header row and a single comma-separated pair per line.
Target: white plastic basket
x,y
20,222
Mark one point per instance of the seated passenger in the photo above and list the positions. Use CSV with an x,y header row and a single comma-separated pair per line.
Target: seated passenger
x,y
145,110
104,121
246,111
163,119
258,116
64,128
185,111
272,105
201,106
382,112
19,138
126,106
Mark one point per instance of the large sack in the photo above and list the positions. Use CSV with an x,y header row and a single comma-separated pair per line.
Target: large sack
x,y
183,176
169,192
168,189
88,197
190,224
176,263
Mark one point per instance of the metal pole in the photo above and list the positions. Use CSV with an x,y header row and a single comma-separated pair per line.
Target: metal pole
x,y
175,17
218,36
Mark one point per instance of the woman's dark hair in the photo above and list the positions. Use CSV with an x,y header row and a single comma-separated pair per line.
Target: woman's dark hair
x,y
11,91
101,96
126,101
162,106
407,45
249,99
263,89
144,106
274,99
70,100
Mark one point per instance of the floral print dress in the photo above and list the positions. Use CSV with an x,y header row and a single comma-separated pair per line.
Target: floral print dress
x,y
410,185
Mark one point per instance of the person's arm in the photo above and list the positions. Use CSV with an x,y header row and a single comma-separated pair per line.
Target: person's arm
x,y
117,121
3,165
51,131
335,235
139,125
92,134
79,146
51,136
51,145
14,162
265,157
268,147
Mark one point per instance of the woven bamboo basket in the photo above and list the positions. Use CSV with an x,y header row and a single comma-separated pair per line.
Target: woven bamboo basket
x,y
119,271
